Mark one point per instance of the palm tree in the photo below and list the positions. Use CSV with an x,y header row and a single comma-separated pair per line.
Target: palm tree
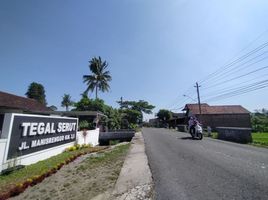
x,y
66,101
99,78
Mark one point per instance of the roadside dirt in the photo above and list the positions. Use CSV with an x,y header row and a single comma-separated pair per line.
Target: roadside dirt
x,y
85,178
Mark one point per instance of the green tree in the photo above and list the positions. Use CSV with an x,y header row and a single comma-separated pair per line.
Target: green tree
x,y
164,114
86,104
132,116
36,91
100,77
113,119
140,106
66,101
259,120
113,116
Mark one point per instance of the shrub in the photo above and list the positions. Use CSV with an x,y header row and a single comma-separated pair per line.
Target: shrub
x,y
113,142
83,125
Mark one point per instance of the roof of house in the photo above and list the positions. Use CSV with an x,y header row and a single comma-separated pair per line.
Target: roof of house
x,y
11,101
207,109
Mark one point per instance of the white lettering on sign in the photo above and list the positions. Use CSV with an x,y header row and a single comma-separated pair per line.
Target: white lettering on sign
x,y
41,128
45,141
33,129
66,127
25,127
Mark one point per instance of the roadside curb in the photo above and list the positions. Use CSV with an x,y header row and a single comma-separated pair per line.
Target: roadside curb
x,y
135,179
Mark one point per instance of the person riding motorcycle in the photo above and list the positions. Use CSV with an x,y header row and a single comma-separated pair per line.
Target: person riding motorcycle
x,y
192,123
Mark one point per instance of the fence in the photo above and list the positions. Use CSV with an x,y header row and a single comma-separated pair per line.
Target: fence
x,y
120,135
88,137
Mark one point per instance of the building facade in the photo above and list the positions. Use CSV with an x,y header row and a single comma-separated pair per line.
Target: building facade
x,y
219,116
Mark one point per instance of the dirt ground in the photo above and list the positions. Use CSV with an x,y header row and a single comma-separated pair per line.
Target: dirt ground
x,y
85,178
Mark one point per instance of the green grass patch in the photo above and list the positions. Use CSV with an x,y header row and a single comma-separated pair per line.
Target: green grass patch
x,y
104,158
114,142
39,168
214,135
260,139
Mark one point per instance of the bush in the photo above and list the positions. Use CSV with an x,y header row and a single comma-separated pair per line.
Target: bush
x,y
134,127
113,142
214,135
83,125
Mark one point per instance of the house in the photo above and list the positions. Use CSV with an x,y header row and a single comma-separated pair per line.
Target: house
x,y
10,103
18,104
176,118
154,122
219,116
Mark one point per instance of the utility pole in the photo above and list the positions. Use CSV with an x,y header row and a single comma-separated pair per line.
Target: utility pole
x,y
197,88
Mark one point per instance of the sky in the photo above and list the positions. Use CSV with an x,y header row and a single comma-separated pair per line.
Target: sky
x,y
156,50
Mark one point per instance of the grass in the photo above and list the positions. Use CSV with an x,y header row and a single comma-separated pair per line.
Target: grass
x,y
113,142
260,139
104,158
21,175
95,174
214,135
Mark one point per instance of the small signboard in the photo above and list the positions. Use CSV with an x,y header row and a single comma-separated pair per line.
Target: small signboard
x,y
33,133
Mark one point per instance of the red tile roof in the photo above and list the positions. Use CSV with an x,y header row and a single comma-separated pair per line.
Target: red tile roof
x,y
206,109
10,101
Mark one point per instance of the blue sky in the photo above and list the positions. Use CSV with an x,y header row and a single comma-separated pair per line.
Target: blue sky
x,y
156,50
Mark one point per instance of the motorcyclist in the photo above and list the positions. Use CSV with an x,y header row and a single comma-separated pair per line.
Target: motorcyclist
x,y
192,123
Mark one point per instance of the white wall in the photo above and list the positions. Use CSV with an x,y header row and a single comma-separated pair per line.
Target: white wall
x,y
92,137
3,143
42,155
35,157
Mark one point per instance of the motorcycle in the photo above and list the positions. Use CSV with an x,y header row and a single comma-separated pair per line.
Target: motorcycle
x,y
198,133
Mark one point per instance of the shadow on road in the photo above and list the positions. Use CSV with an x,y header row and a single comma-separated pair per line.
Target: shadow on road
x,y
185,138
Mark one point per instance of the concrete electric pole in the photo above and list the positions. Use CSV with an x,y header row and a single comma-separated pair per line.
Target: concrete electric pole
x,y
198,96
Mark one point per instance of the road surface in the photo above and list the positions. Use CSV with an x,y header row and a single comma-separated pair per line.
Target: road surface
x,y
189,169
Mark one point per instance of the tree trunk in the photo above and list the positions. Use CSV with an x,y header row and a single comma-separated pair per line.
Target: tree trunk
x,y
96,91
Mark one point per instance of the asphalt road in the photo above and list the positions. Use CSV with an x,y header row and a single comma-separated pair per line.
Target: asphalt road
x,y
183,168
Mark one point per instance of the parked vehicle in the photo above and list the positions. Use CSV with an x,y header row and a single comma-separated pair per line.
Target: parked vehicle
x,y
198,133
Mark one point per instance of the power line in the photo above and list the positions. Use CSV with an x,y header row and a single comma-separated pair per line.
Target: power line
x,y
229,65
231,88
237,68
234,62
179,99
237,77
239,91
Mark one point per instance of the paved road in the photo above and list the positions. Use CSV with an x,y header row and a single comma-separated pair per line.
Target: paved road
x,y
189,169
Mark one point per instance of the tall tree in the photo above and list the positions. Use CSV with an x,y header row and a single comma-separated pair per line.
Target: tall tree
x,y
86,104
36,91
140,106
100,77
66,101
164,114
